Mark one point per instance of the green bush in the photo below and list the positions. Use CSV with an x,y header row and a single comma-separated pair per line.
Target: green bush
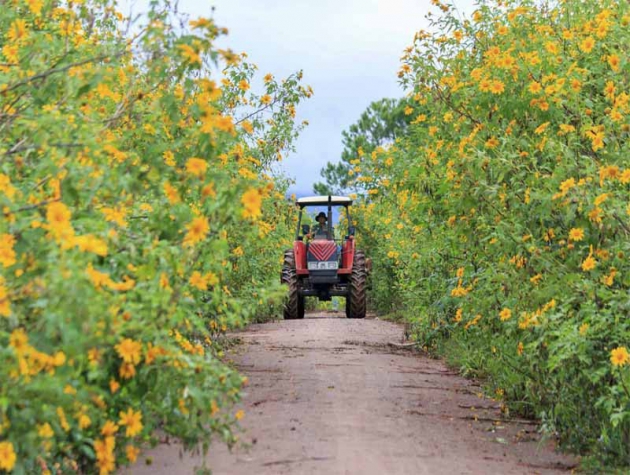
x,y
501,220
138,217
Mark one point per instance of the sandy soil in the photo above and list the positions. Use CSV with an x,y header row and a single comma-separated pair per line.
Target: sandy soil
x,y
328,395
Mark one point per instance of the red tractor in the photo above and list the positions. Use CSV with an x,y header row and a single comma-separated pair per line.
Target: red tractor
x,y
324,267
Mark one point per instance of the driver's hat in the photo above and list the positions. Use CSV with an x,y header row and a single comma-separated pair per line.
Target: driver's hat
x,y
321,215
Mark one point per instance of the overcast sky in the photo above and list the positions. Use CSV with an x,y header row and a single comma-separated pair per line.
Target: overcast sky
x,y
349,51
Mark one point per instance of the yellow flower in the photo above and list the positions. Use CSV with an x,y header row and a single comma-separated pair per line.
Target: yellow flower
x,y
58,216
130,351
497,87
505,314
189,54
459,291
492,142
583,328
611,172
576,85
6,187
169,158
597,141
7,254
115,215
11,51
587,44
610,278
17,31
619,356
541,128
551,47
106,460
7,456
595,215
164,283
247,126
90,243
243,85
171,193
565,129
132,420
127,371
63,421
613,62
458,315
589,263
5,306
472,322
197,230
109,429
196,167
252,203
200,23
610,89
132,453
35,6
197,280
45,431
94,355
576,234
601,198
239,414
114,385
84,421
485,85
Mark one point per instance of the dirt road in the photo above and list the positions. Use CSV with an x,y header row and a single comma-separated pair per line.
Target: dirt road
x,y
328,395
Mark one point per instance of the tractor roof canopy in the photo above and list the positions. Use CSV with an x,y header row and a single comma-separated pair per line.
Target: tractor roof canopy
x,y
323,201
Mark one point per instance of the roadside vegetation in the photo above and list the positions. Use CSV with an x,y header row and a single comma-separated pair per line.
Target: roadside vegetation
x,y
499,221
138,217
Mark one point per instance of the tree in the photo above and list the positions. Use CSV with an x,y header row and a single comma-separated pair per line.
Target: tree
x,y
381,123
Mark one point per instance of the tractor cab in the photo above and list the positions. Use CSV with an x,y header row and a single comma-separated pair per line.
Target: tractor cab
x,y
324,262
322,248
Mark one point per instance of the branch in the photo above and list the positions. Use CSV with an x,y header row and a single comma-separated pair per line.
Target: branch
x,y
17,148
36,205
623,225
257,111
461,112
50,72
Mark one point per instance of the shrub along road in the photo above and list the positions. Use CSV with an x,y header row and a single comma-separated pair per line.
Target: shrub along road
x,y
331,395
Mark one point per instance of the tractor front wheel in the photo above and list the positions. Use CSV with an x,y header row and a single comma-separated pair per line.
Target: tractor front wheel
x,y
356,300
292,307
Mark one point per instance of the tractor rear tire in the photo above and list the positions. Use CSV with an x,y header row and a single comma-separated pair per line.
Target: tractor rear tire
x,y
289,277
356,300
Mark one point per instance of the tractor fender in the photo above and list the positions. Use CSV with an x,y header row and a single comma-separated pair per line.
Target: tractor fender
x,y
299,251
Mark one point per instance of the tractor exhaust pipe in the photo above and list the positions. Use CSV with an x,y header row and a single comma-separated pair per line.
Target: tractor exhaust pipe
x,y
329,227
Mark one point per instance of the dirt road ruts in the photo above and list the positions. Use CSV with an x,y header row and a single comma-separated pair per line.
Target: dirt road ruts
x,y
328,395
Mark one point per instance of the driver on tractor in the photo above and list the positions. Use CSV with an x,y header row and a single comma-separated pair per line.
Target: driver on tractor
x,y
319,231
